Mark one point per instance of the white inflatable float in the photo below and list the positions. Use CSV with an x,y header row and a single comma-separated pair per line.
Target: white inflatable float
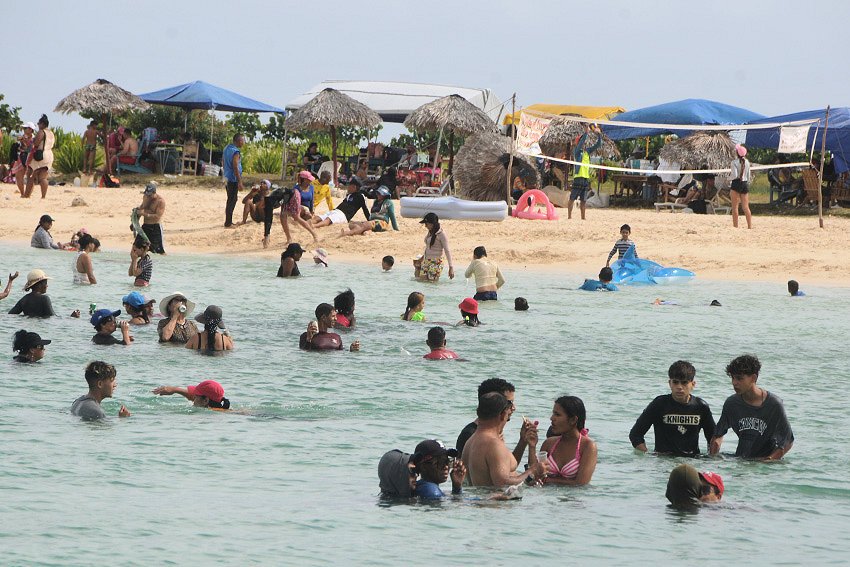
x,y
453,208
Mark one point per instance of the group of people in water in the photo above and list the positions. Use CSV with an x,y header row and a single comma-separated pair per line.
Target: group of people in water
x,y
568,455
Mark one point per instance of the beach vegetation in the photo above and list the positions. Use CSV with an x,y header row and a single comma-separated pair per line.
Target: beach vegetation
x,y
263,157
68,152
10,120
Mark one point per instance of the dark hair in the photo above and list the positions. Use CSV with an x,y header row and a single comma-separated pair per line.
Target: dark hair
x,y
606,274
39,287
436,337
85,240
98,370
19,342
625,227
223,404
793,287
291,250
323,309
43,219
344,302
573,407
312,144
414,299
470,319
210,327
492,405
479,252
140,242
520,304
744,364
435,229
44,121
237,135
495,385
388,260
682,370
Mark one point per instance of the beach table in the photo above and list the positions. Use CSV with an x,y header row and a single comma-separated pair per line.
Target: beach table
x,y
163,151
628,186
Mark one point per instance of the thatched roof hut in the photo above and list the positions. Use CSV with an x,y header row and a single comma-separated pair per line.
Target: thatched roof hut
x,y
482,168
714,149
453,112
562,132
100,96
328,110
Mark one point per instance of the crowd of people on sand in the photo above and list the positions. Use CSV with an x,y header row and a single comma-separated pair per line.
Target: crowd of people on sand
x,y
566,456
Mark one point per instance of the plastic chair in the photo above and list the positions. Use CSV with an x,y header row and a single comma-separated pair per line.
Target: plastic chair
x,y
190,159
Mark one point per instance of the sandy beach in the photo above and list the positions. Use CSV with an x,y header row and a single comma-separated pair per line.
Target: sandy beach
x,y
778,248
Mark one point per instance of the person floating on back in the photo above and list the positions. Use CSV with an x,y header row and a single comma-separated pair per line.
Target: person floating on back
x,y
622,245
755,415
676,418
603,283
437,343
794,289
100,377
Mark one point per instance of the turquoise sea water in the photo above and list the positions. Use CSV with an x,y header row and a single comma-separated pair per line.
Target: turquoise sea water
x,y
295,481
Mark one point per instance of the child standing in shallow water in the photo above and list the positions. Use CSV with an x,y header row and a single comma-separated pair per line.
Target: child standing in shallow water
x,y
622,245
89,142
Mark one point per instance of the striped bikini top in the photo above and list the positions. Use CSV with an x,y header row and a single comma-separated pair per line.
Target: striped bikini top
x,y
569,470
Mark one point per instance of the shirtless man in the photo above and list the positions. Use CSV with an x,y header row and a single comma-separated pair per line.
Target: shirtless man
x,y
129,150
152,209
489,461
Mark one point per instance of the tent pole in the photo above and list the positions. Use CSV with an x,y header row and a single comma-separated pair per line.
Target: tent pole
x,y
106,144
437,153
186,121
283,164
212,123
820,172
511,159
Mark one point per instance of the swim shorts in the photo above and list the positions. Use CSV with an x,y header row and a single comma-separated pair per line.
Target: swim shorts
x,y
90,147
431,268
485,296
740,187
128,160
336,216
379,225
579,189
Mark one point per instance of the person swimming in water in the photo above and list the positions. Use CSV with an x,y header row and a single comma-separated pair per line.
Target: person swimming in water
x,y
29,346
602,284
435,463
317,336
687,488
415,305
207,394
344,305
469,311
397,475
105,324
437,343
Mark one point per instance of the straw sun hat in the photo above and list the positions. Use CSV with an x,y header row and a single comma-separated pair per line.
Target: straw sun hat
x,y
34,277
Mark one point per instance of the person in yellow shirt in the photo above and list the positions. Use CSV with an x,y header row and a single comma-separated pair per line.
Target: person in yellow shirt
x,y
322,190
488,277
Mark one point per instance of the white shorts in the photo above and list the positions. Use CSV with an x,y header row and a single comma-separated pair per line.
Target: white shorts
x,y
336,216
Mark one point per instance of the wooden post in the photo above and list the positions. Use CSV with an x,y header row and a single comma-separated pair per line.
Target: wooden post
x,y
333,152
820,172
513,143
451,150
106,144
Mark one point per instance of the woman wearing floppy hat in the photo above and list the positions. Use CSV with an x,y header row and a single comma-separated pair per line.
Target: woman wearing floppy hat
x,y
430,265
35,303
29,346
207,394
42,238
739,189
211,340
174,328
382,215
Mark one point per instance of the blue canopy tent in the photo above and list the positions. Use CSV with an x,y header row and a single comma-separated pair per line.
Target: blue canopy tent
x,y
202,95
688,111
837,134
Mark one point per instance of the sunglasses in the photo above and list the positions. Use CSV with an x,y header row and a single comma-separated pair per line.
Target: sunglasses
x,y
682,382
39,347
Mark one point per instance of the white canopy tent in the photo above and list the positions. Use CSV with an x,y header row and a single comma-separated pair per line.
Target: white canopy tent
x,y
394,101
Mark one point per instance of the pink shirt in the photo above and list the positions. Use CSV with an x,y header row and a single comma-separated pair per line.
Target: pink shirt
x,y
442,354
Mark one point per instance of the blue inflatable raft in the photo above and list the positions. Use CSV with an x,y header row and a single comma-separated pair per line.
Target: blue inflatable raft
x,y
637,271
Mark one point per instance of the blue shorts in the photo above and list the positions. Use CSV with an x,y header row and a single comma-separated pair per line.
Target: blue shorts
x,y
579,189
485,296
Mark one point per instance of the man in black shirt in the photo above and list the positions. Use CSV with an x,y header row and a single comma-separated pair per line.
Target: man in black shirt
x,y
104,323
354,201
676,417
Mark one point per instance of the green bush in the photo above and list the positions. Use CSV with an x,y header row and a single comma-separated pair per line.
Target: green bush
x,y
68,158
263,157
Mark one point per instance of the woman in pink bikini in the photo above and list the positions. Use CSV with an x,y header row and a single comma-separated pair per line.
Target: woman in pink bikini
x,y
571,453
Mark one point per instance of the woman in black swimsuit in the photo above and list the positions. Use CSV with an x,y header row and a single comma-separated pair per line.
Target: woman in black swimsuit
x,y
211,340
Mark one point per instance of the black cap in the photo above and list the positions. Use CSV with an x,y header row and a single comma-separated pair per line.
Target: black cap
x,y
45,218
431,218
431,449
715,303
32,340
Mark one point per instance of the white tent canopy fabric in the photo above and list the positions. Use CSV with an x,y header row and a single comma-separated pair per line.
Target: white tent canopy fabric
x,y
394,101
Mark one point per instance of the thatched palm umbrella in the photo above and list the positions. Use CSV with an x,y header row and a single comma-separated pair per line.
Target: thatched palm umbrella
x,y
714,149
561,134
453,112
104,97
482,167
328,110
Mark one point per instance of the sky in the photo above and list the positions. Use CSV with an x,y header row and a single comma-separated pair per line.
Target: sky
x,y
772,57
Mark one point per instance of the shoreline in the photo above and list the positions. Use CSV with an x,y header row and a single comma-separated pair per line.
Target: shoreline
x,y
777,249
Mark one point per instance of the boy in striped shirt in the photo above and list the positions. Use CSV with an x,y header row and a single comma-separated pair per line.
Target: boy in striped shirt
x,y
622,245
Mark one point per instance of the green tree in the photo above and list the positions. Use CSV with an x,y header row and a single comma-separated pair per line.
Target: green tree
x,y
246,122
9,118
274,130
422,141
